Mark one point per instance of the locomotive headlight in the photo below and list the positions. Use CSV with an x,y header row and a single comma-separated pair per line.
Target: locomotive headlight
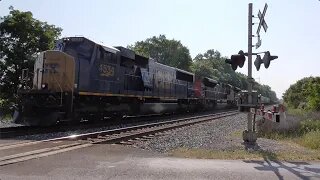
x,y
44,86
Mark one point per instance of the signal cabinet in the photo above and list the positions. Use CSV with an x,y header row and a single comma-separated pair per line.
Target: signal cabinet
x,y
243,101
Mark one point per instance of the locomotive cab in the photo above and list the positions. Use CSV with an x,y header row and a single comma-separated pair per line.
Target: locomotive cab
x,y
50,99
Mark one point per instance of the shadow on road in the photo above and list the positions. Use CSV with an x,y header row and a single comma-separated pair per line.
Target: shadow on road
x,y
302,170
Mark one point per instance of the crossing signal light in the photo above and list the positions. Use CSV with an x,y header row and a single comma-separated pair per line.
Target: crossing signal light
x,y
258,62
237,60
265,60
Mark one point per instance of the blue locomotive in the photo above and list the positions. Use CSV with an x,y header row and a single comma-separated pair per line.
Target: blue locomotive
x,y
80,79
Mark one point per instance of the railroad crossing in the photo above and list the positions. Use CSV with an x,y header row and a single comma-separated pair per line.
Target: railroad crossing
x,y
249,135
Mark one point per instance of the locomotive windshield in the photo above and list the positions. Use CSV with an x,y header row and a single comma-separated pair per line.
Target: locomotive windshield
x,y
75,46
62,43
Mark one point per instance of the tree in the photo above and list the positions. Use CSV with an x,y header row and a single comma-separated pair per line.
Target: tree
x,y
211,64
314,94
204,69
305,93
21,37
165,51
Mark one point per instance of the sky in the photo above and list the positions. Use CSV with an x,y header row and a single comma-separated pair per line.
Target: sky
x,y
293,33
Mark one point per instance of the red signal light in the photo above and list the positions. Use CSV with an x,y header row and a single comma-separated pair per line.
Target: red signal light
x,y
236,60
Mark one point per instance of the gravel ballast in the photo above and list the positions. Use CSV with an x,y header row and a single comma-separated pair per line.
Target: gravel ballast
x,y
219,134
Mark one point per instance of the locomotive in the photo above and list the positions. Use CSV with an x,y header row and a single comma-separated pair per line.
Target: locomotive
x,y
81,79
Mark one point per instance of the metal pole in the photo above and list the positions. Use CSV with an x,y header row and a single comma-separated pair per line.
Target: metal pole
x,y
250,65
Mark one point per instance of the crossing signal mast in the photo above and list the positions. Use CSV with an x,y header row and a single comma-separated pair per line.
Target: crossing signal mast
x,y
236,60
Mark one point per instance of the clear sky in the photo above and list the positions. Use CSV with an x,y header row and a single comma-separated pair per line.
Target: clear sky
x,y
293,34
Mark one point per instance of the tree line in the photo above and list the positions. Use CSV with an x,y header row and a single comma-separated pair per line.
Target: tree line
x,y
22,37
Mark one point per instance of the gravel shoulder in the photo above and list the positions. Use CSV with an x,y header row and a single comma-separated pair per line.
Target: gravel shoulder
x,y
221,135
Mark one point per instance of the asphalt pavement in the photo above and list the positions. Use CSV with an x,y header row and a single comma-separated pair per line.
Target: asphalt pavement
x,y
124,162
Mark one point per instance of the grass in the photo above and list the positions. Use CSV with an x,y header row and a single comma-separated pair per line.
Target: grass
x,y
307,135
244,155
310,140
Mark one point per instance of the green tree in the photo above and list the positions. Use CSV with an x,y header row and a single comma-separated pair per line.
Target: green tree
x,y
305,93
21,37
166,51
211,64
314,94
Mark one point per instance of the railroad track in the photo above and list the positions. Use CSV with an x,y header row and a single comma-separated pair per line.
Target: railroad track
x,y
12,132
13,153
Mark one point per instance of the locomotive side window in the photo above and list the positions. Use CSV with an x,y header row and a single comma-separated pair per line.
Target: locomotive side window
x,y
180,75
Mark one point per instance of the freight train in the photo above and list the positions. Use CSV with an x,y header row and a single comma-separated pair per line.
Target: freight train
x,y
81,79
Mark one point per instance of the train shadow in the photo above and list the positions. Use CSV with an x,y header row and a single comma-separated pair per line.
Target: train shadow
x,y
270,162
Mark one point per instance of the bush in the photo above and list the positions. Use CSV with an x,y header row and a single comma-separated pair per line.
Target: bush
x,y
309,125
297,112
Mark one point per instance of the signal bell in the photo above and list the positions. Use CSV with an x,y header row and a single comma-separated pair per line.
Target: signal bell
x,y
265,60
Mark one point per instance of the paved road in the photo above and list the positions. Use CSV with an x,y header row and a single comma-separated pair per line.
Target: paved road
x,y
120,162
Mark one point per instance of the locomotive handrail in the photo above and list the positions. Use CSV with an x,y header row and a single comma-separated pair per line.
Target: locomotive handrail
x,y
61,91
109,81
71,88
133,76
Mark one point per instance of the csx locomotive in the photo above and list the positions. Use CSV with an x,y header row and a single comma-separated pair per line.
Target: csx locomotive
x,y
80,79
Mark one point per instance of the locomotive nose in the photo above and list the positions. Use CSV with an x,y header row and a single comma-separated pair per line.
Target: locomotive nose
x,y
54,71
